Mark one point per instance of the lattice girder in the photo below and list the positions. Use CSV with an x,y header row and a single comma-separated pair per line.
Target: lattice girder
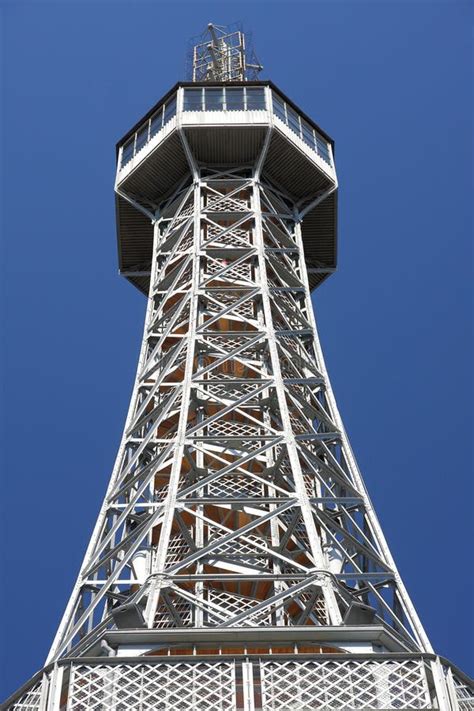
x,y
235,499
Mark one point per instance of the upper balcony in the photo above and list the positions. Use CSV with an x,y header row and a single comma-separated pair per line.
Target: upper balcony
x,y
218,106
225,124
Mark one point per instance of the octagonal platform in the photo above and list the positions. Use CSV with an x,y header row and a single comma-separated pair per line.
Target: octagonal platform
x,y
224,125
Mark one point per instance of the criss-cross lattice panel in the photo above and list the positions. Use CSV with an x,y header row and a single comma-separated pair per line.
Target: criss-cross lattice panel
x,y
464,695
29,701
230,236
317,605
233,486
356,684
241,271
149,687
232,605
177,548
182,611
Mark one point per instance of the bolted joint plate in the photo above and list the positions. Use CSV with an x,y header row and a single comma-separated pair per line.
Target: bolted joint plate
x,y
295,154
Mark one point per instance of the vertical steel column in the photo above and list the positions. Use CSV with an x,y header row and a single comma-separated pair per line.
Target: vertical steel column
x,y
316,549
409,608
170,503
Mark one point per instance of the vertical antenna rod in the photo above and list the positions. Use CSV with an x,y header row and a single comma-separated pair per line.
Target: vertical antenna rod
x,y
222,54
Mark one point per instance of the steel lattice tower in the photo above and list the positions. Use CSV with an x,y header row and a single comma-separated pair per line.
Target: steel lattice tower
x,y
237,562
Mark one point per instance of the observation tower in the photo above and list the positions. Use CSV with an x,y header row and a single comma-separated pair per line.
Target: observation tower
x,y
237,562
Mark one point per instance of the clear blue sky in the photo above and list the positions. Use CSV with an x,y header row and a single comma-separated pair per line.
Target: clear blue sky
x,y
391,82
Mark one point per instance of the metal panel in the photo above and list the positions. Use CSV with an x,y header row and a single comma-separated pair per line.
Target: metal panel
x,y
229,145
166,686
229,682
353,684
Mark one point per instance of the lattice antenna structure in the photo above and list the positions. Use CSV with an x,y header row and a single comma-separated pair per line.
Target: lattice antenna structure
x,y
237,561
223,54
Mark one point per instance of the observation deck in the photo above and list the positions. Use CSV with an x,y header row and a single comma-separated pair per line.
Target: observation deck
x,y
225,124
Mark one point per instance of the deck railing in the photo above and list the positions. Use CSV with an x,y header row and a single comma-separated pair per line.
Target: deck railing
x,y
227,99
234,683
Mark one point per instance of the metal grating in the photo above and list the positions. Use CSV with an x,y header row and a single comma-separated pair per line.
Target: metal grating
x,y
357,684
258,683
464,695
29,701
147,687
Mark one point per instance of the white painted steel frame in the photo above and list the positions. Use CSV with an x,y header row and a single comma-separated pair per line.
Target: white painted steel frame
x,y
235,499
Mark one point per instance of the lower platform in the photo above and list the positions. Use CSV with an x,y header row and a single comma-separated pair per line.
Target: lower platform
x,y
253,682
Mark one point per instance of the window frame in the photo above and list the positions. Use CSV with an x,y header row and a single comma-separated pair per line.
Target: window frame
x,y
224,92
189,91
218,91
159,112
145,130
232,90
172,100
251,90
320,145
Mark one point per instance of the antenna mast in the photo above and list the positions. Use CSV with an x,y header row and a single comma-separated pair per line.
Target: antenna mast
x,y
222,54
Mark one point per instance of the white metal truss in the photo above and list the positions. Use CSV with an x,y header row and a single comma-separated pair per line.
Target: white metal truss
x,y
236,546
235,500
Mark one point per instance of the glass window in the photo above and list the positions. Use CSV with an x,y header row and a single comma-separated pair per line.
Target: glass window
x,y
156,122
142,137
308,135
214,99
170,110
279,107
127,152
293,120
255,98
192,100
323,149
234,99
